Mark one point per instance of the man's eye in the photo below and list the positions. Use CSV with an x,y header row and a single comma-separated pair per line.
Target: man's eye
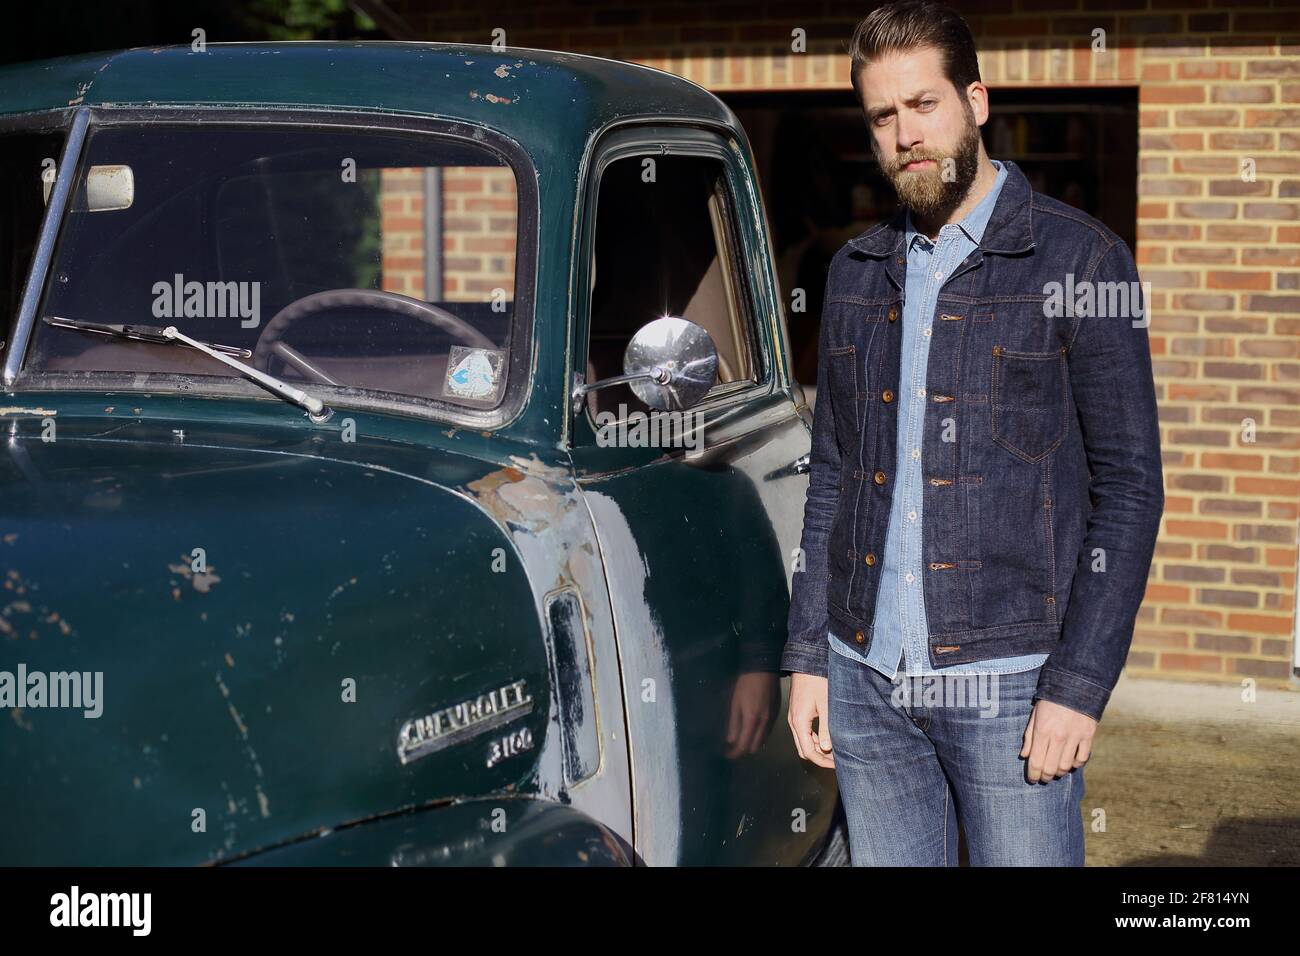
x,y
928,104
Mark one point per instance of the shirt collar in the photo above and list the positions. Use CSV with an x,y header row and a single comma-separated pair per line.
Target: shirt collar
x,y
976,220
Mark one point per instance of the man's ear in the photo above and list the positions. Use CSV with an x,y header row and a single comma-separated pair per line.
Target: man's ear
x,y
977,95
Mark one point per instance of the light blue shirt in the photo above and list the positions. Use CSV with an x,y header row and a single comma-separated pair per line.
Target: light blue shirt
x,y
901,633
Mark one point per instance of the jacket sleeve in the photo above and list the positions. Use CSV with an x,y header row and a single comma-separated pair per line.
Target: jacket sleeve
x,y
1110,375
806,648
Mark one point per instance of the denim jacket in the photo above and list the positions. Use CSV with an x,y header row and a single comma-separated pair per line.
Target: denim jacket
x,y
1043,487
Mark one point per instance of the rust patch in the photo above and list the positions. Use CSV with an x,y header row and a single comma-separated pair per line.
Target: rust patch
x,y
202,581
14,582
523,494
490,97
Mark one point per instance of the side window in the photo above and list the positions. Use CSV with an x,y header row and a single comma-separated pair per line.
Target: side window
x,y
665,245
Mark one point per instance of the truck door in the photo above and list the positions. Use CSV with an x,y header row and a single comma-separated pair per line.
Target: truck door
x,y
697,514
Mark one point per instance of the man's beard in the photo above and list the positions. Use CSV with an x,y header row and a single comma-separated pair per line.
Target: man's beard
x,y
926,192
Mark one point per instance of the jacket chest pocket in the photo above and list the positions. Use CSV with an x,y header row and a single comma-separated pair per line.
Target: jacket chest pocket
x,y
842,372
1029,401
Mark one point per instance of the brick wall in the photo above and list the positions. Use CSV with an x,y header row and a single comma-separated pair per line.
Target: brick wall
x,y
479,226
401,229
1219,93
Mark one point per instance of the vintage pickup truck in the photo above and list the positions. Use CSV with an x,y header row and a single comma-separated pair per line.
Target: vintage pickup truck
x,y
402,466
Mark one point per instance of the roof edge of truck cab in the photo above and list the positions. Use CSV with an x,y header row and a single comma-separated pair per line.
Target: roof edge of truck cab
x,y
466,81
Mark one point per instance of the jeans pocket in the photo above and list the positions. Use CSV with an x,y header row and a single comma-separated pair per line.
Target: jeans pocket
x,y
1029,402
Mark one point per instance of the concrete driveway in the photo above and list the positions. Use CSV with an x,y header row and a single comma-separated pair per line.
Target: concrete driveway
x,y
1187,774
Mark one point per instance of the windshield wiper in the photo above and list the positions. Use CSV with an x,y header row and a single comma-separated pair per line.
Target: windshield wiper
x,y
137,333
317,409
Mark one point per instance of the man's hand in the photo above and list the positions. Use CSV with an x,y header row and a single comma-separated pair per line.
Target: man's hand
x,y
1057,740
755,698
808,700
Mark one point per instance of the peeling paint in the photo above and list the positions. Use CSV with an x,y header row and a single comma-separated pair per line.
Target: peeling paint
x,y
491,97
350,582
15,582
201,581
523,495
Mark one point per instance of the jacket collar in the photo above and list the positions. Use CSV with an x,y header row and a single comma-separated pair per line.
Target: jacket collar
x,y
1010,229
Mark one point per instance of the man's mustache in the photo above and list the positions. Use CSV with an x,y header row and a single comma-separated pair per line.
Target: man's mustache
x,y
896,164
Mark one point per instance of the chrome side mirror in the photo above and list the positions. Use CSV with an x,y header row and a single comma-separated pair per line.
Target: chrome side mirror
x,y
670,364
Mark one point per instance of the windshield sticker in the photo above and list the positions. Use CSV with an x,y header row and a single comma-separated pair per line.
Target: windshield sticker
x,y
474,373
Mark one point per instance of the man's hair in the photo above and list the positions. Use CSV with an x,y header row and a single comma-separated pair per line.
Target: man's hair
x,y
908,24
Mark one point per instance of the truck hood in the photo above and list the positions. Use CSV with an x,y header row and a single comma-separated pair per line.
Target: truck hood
x,y
255,614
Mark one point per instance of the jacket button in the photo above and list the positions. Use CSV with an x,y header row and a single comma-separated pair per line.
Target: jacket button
x,y
879,477
886,396
860,637
893,315
870,558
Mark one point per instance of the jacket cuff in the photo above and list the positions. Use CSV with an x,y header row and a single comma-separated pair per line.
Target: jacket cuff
x,y
1070,690
802,657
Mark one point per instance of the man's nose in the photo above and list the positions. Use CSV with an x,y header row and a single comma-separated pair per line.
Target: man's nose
x,y
909,134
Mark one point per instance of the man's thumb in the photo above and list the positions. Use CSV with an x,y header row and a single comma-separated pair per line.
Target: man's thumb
x,y
1029,737
823,732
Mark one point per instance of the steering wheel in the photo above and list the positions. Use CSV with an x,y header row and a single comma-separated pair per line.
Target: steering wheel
x,y
270,342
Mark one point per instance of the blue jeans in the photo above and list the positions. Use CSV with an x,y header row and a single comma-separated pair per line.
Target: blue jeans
x,y
910,767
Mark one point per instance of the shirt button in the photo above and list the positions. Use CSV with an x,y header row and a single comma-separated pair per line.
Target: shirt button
x,y
916,453
938,275
926,332
910,577
921,392
879,477
911,515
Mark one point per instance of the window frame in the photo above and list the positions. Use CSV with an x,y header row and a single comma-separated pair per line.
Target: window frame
x,y
522,369
60,121
658,139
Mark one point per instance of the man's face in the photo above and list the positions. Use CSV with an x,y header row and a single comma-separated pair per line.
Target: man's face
x,y
923,131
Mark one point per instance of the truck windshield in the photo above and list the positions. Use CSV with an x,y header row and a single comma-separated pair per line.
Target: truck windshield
x,y
342,258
